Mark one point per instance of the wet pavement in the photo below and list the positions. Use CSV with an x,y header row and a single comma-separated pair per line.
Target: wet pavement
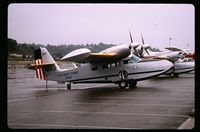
x,y
157,103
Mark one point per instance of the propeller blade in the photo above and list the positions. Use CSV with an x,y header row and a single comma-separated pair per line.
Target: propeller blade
x,y
142,51
142,38
147,51
142,48
130,36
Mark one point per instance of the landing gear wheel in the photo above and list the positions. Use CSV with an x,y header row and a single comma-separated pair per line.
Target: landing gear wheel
x,y
176,75
69,86
123,84
132,84
172,74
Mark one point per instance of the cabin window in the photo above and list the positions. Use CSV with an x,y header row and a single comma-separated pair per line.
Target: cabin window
x,y
113,65
105,66
78,65
125,61
94,68
132,59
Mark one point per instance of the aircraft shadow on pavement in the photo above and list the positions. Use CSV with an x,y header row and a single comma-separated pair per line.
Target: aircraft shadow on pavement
x,y
41,93
165,77
92,94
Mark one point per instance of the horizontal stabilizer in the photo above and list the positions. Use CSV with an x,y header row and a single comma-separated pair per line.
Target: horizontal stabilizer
x,y
38,66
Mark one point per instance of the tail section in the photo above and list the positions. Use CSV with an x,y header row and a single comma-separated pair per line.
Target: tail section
x,y
43,54
43,62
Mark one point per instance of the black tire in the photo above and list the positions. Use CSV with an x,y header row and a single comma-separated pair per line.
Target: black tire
x,y
172,74
176,75
123,84
69,86
133,84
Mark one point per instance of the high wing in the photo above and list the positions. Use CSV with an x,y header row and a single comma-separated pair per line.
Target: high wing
x,y
156,57
172,48
101,57
112,54
171,56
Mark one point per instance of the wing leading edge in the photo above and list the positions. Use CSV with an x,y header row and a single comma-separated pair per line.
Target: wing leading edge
x,y
109,55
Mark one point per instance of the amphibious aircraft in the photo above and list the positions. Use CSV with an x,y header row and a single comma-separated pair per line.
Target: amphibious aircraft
x,y
116,65
185,52
174,55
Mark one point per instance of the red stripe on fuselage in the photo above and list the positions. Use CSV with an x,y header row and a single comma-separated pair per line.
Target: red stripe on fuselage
x,y
40,71
44,76
36,62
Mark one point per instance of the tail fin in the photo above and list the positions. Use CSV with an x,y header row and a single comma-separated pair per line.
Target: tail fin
x,y
43,61
43,54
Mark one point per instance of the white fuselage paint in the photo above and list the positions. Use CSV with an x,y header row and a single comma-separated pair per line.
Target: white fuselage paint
x,y
84,73
182,67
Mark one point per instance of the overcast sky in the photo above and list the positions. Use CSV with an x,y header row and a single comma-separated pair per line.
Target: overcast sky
x,y
108,23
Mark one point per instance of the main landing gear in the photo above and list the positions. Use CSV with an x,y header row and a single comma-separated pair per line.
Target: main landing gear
x,y
123,75
126,83
69,86
173,74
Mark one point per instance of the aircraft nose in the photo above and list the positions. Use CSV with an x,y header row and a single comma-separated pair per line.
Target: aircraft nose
x,y
167,64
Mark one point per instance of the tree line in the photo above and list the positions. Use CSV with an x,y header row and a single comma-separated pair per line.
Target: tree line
x,y
57,51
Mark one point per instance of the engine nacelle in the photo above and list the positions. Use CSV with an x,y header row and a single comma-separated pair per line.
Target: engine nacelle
x,y
146,46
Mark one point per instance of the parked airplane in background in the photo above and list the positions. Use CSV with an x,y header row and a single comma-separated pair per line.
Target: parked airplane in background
x,y
113,65
185,52
175,55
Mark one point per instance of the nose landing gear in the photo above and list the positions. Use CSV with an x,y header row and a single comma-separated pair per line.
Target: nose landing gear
x,y
69,86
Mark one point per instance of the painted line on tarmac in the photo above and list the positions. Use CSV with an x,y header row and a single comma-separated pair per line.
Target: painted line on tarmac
x,y
188,124
67,126
115,113
92,86
21,99
188,106
145,98
63,87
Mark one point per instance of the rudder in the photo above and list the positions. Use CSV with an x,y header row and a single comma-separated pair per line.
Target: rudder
x,y
42,59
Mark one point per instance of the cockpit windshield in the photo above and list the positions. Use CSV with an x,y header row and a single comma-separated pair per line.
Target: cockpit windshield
x,y
131,59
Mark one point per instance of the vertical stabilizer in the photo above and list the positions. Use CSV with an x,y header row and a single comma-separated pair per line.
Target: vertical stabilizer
x,y
45,56
42,56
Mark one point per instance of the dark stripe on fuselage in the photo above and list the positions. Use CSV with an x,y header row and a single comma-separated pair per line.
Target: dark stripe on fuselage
x,y
184,68
115,75
192,69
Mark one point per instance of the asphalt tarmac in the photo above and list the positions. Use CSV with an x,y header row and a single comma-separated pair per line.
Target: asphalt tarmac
x,y
157,103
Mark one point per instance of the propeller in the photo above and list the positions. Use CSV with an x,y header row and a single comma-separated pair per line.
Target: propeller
x,y
130,37
144,47
133,45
